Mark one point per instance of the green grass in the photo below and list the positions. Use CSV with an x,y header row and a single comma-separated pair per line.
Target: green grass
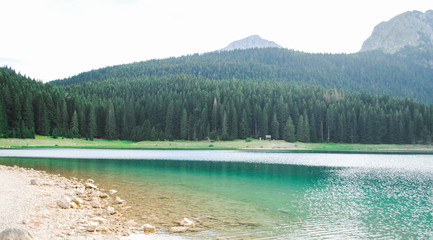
x,y
49,142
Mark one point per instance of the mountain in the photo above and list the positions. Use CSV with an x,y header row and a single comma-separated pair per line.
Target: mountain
x,y
374,72
253,41
411,28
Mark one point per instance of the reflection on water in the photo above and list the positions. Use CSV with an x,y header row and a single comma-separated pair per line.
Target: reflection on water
x,y
254,200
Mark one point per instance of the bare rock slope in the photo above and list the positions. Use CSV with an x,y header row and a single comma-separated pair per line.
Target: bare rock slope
x,y
412,28
253,41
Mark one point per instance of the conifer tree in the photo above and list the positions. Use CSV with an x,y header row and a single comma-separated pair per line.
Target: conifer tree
x,y
28,117
275,127
306,134
3,120
91,128
74,124
243,125
300,129
214,118
224,127
169,125
234,124
110,124
184,125
289,131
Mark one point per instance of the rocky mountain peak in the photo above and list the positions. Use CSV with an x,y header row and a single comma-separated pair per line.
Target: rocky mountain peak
x,y
411,28
254,41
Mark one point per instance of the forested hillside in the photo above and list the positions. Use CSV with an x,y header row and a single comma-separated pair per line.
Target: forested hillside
x,y
28,107
194,108
398,75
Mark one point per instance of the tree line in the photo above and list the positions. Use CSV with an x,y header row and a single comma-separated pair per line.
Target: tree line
x,y
196,108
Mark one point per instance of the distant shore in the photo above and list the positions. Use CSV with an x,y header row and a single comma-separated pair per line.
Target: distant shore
x,y
250,144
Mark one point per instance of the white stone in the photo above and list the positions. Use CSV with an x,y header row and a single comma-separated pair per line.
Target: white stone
x,y
95,203
131,223
148,228
92,226
64,202
35,181
90,185
112,191
178,229
100,220
118,200
77,200
96,194
187,223
110,210
90,180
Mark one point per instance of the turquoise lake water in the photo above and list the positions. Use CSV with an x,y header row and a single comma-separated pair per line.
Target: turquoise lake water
x,y
258,195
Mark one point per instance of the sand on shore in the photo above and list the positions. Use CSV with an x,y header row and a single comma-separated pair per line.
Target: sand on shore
x,y
34,206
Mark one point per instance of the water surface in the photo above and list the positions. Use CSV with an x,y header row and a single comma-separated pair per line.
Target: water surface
x,y
253,195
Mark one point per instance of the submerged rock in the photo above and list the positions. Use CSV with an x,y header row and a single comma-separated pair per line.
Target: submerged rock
x,y
103,195
15,234
187,223
90,185
118,200
178,229
253,224
131,223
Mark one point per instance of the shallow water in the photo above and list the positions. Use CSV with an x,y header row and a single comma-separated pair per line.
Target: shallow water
x,y
253,195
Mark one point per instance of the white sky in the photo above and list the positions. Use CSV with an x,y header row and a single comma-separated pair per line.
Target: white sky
x,y
52,39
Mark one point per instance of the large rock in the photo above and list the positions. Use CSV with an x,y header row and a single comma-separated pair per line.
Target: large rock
x,y
15,234
412,28
64,202
95,203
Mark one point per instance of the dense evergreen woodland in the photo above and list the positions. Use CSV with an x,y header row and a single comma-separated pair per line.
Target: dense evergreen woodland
x,y
194,108
405,74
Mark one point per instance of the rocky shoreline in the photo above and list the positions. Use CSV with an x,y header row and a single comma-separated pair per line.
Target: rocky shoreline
x,y
63,208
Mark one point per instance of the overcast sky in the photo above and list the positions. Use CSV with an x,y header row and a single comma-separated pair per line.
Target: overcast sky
x,y
52,39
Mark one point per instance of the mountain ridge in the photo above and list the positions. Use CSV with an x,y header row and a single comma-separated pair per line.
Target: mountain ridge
x,y
253,41
412,28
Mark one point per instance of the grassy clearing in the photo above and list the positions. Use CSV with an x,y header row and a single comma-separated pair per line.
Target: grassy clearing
x,y
49,142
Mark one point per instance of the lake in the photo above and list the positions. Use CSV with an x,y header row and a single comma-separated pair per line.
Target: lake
x,y
257,194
